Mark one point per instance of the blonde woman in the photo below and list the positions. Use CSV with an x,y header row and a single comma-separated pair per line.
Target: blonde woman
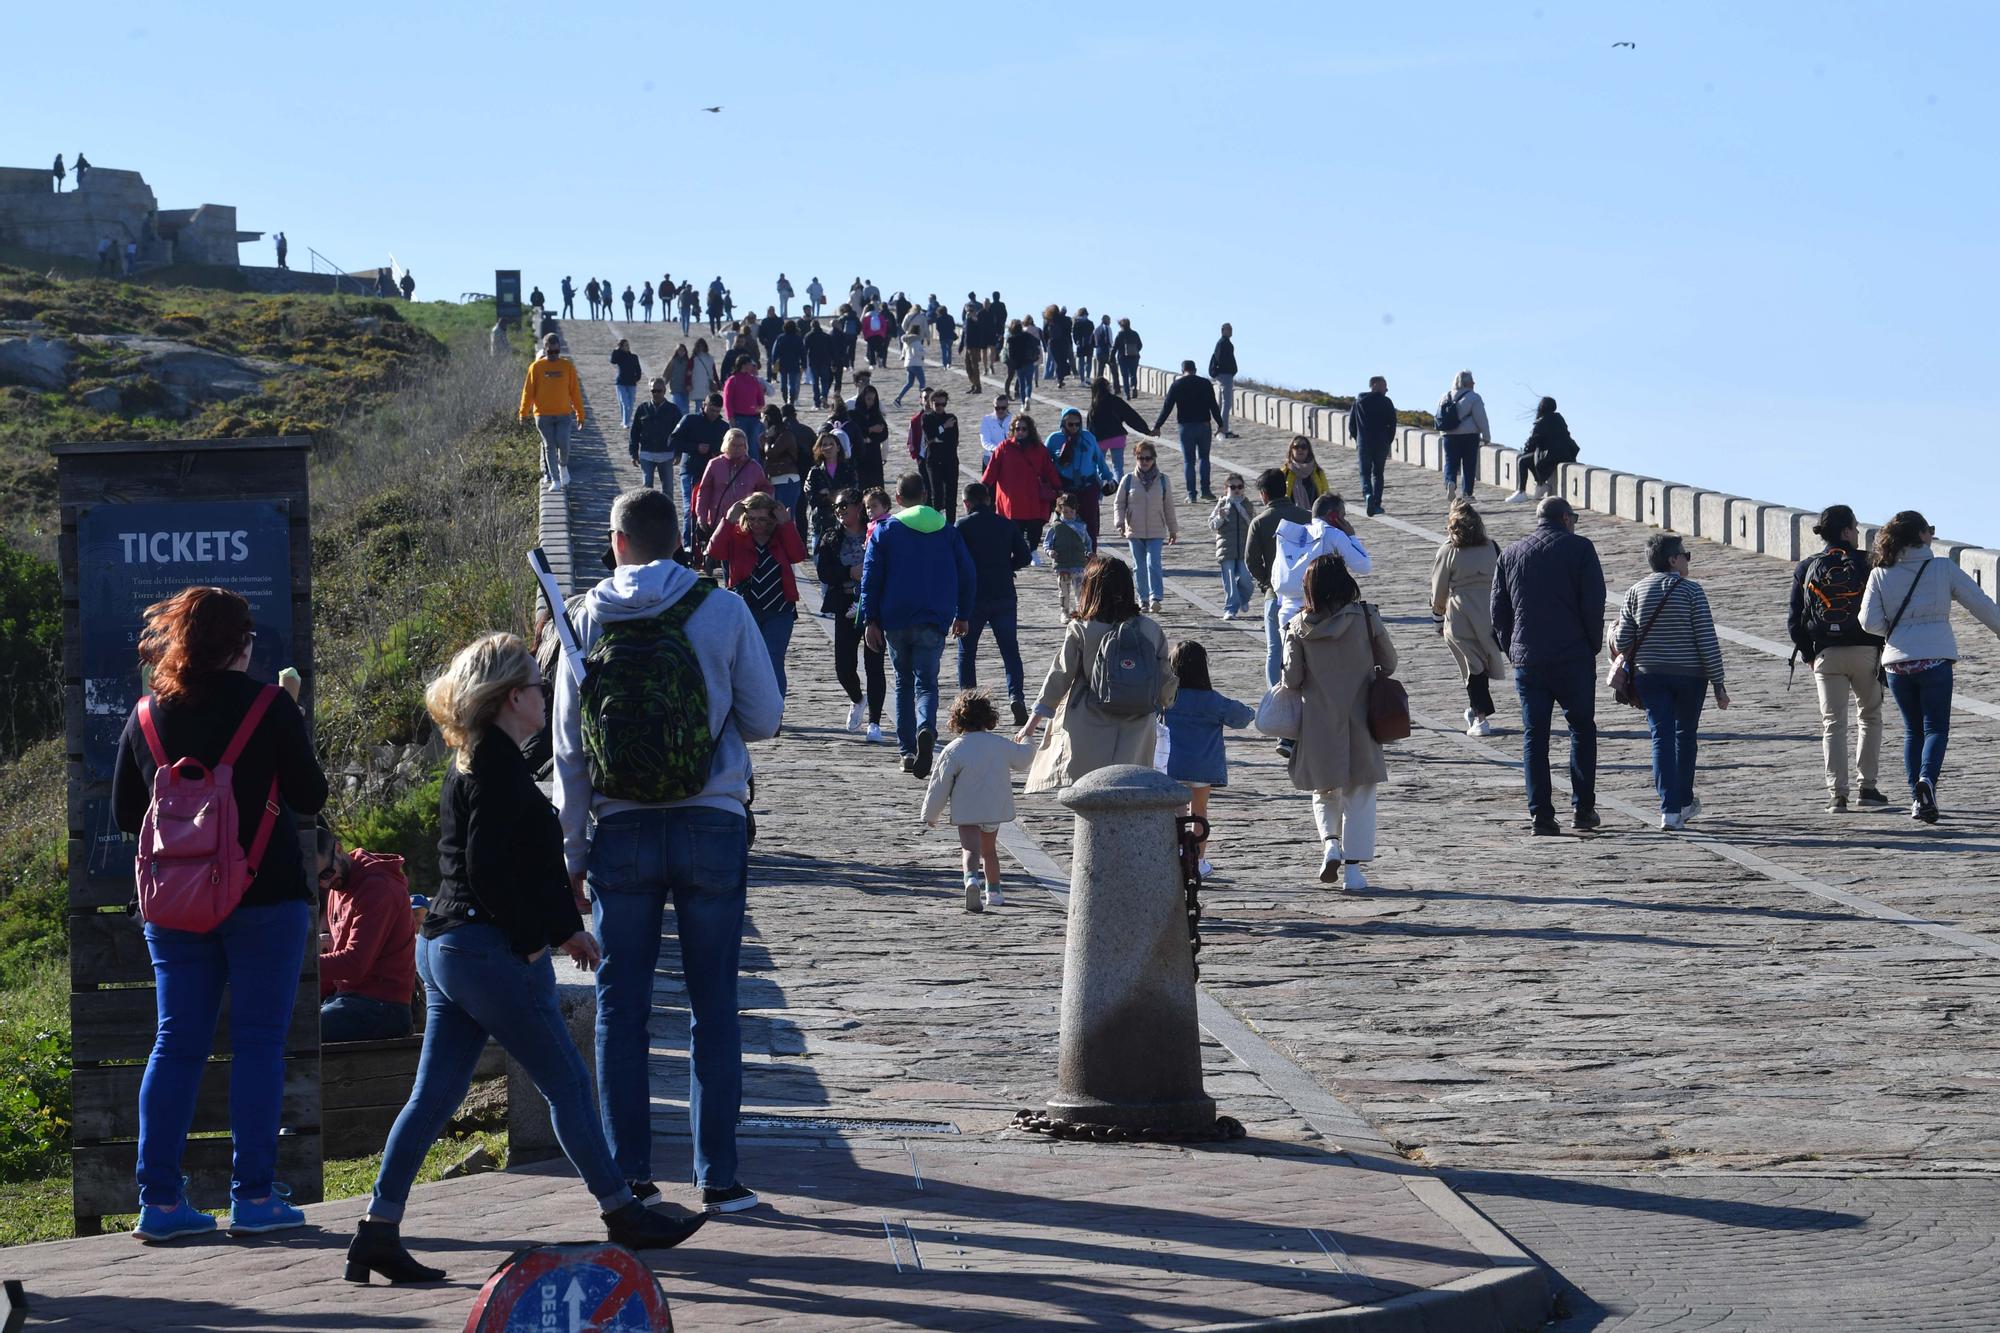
x,y
1305,480
1462,609
485,953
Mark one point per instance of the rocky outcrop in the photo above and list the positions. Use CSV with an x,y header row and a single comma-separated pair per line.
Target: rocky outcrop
x,y
193,372
36,363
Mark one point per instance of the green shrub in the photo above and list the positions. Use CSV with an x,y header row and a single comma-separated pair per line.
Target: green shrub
x,y
30,649
406,826
34,1074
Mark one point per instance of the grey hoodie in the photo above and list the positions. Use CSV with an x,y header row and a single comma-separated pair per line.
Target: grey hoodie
x,y
743,700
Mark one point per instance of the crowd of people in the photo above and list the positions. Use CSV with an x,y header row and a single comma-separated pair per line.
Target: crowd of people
x,y
676,674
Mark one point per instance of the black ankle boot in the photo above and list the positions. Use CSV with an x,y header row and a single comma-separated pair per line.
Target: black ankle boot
x,y
378,1247
638,1227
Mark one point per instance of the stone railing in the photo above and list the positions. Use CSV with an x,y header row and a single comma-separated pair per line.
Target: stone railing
x,y
1769,529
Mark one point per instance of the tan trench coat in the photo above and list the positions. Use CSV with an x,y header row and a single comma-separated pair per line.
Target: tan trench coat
x,y
1328,660
1078,739
1462,592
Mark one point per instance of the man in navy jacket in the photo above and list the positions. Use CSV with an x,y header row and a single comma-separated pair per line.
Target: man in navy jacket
x,y
1371,423
917,583
998,548
1548,614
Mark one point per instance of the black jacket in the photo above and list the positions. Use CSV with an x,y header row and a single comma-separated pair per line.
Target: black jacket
x,y
1126,343
698,437
1548,598
200,726
1222,361
1260,549
1022,349
1548,445
941,441
653,428
1114,419
819,348
998,548
1191,399
628,366
833,576
500,852
1372,420
1800,628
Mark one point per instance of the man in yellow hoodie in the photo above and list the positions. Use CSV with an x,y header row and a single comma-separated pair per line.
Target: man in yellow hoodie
x,y
553,394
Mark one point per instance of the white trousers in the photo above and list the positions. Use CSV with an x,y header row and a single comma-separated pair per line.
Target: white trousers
x,y
1346,821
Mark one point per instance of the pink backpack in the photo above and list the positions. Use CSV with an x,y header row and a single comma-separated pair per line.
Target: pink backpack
x,y
191,869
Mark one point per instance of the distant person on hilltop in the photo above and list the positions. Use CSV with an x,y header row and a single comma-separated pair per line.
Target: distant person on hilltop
x,y
569,297
1461,419
816,296
536,300
59,173
628,298
408,284
590,295
1222,369
553,395
1371,423
82,169
278,240
785,293
646,302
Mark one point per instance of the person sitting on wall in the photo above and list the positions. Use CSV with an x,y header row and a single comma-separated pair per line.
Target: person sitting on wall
x,y
367,960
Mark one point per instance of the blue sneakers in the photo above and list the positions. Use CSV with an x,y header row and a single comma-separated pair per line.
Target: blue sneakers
x,y
274,1214
158,1225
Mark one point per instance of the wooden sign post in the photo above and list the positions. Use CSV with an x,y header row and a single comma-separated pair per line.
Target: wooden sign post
x,y
140,521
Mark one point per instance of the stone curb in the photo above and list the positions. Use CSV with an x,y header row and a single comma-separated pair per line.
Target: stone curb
x,y
1511,1299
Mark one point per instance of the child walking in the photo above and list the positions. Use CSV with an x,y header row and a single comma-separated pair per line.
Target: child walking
x,y
1069,546
1194,723
974,777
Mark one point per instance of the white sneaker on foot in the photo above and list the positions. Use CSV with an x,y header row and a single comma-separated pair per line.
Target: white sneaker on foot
x,y
565,474
989,895
1351,876
1035,559
1329,869
874,733
1470,717
1229,615
1518,497
975,894
854,715
1480,727
1672,821
1692,809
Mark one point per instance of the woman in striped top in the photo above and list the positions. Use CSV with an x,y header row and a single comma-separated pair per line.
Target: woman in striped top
x,y
756,548
1666,633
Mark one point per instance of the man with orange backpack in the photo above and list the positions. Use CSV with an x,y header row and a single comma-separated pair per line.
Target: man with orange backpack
x,y
1825,627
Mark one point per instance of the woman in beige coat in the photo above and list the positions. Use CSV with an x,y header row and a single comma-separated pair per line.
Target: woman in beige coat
x,y
1331,649
1145,516
1082,738
1462,607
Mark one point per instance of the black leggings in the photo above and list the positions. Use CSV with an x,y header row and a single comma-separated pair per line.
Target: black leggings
x,y
847,646
1478,695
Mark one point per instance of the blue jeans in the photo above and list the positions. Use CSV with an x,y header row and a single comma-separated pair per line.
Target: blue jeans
x,y
944,351
1461,462
1673,714
1225,394
256,953
1024,384
752,426
1236,586
1374,461
680,398
1573,685
1005,624
479,987
650,468
348,1017
822,384
913,377
1274,642
689,468
777,631
1195,439
699,859
1114,449
1147,574
1128,370
1924,699
628,398
915,651
555,444
788,383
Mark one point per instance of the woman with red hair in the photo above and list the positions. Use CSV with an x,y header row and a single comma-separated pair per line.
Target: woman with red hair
x,y
198,643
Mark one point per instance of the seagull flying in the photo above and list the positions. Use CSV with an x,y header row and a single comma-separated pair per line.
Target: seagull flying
x,y
712,109
1632,45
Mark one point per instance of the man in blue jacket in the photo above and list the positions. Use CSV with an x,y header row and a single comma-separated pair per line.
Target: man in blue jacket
x,y
917,583
1371,424
1548,614
997,547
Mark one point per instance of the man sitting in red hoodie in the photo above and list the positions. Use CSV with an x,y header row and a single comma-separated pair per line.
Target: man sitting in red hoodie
x,y
368,959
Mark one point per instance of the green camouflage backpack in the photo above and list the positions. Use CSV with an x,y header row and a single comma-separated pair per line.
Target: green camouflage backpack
x,y
645,708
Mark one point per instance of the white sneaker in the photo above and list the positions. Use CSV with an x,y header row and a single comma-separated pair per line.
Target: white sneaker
x,y
854,715
1518,497
1672,821
547,485
1480,727
1229,615
1205,868
1351,876
1329,869
565,474
989,896
874,733
1035,559
1470,717
975,894
1693,809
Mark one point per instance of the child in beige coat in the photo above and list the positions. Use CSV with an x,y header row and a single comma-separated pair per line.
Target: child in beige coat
x,y
974,780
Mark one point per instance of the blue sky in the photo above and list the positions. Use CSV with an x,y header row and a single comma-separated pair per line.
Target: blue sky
x,y
1754,254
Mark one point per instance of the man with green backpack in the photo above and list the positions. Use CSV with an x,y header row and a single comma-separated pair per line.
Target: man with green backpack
x,y
653,783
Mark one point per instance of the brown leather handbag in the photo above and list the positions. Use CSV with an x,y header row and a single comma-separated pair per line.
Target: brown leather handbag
x,y
1388,701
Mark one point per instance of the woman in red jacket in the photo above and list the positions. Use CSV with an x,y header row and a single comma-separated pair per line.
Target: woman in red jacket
x,y
756,549
1024,480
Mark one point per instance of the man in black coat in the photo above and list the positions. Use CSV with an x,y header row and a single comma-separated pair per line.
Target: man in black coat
x,y
998,548
1371,424
1222,369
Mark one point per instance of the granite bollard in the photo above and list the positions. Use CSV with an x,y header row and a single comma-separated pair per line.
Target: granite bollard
x,y
1131,1044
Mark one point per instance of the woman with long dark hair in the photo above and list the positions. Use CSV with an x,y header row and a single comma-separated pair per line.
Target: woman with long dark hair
x,y
1109,419
1548,447
1082,737
1908,603
841,548
206,709
868,436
